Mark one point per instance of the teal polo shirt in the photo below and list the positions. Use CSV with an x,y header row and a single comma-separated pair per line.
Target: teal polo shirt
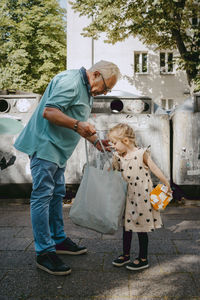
x,y
69,92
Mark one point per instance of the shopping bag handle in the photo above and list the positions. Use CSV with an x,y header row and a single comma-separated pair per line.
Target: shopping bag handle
x,y
103,148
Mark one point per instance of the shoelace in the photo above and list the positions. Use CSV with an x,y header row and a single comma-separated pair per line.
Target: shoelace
x,y
71,242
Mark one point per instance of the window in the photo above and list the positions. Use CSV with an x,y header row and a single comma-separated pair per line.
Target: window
x,y
167,103
166,62
141,62
195,21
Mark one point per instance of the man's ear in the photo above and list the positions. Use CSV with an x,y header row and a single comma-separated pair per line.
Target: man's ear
x,y
96,74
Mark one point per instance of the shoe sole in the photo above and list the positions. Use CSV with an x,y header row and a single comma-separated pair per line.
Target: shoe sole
x,y
122,264
70,252
135,269
52,272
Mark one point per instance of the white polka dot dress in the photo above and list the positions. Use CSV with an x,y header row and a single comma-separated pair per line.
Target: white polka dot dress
x,y
139,213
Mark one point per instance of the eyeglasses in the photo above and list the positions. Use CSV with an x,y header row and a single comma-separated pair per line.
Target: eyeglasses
x,y
106,89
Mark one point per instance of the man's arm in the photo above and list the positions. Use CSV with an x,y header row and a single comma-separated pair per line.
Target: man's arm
x,y
85,129
56,116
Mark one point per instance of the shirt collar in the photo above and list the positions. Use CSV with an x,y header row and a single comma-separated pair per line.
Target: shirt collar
x,y
85,79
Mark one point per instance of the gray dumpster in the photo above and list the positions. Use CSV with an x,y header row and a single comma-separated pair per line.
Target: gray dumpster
x,y
186,144
15,111
137,111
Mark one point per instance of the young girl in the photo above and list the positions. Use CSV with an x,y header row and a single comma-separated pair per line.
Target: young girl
x,y
140,217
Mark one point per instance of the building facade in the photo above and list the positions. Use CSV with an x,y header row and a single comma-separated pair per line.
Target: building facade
x,y
145,71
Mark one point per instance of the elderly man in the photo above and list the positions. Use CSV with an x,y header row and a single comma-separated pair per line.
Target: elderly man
x,y
49,139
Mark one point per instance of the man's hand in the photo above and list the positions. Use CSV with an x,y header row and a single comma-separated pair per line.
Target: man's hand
x,y
85,129
105,144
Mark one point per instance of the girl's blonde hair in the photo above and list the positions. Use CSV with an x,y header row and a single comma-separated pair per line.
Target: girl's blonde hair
x,y
121,131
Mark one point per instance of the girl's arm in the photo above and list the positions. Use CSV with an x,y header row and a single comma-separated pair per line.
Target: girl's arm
x,y
155,170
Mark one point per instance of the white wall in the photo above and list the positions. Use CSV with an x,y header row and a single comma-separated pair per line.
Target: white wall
x,y
154,85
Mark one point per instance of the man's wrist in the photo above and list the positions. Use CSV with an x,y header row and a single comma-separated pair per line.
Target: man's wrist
x,y
76,125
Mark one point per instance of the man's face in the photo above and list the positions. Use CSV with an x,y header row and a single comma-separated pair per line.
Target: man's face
x,y
100,85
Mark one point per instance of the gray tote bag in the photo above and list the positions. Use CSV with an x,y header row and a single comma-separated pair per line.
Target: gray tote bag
x,y
100,200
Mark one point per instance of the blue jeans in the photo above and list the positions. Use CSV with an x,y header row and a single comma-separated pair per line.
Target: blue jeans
x,y
46,204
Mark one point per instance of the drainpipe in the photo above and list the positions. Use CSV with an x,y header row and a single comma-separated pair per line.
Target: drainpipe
x,y
92,50
92,54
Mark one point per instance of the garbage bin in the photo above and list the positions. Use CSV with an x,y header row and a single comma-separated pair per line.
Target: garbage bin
x,y
15,111
137,111
186,144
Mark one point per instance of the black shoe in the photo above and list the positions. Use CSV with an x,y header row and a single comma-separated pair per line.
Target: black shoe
x,y
52,264
69,247
121,261
141,265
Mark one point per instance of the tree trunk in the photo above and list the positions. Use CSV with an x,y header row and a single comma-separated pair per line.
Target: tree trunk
x,y
183,53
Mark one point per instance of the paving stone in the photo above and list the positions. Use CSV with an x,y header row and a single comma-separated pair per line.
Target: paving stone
x,y
116,236
97,284
176,284
197,281
9,298
4,243
96,245
173,254
76,231
22,220
88,261
179,263
9,204
13,218
2,272
169,233
182,225
25,232
9,232
116,297
182,210
5,219
161,247
12,260
182,298
15,243
60,298
27,283
164,298
187,247
186,213
31,247
195,235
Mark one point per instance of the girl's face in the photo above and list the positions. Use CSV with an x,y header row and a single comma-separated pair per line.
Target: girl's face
x,y
119,146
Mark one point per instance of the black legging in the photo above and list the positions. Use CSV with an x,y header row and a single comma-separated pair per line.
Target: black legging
x,y
143,243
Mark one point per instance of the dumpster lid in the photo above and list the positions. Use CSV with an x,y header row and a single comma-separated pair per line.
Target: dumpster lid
x,y
122,94
187,105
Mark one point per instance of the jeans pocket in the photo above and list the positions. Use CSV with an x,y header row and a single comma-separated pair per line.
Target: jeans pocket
x,y
34,161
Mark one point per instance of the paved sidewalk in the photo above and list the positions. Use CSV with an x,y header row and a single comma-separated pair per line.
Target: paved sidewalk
x,y
174,254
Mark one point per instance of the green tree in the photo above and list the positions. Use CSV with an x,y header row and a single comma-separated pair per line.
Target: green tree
x,y
32,43
169,24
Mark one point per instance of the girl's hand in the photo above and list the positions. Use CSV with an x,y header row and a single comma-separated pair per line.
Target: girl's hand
x,y
169,191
